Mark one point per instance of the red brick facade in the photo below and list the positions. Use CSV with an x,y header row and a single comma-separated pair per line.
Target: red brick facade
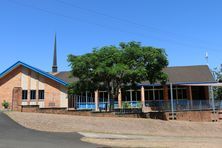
x,y
55,93
7,84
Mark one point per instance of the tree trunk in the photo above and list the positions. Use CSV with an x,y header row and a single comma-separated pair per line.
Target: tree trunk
x,y
108,105
111,107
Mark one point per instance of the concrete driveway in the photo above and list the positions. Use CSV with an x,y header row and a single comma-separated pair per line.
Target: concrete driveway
x,y
13,135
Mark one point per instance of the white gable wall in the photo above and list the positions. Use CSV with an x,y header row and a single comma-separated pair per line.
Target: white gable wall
x,y
31,80
25,78
63,97
41,83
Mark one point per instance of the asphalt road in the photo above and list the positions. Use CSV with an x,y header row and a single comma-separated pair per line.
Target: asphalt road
x,y
13,135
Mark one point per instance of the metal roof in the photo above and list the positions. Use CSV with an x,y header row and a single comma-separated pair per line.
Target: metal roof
x,y
197,74
19,63
187,75
217,84
66,76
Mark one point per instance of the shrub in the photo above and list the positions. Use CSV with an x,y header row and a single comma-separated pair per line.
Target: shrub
x,y
5,104
126,105
139,104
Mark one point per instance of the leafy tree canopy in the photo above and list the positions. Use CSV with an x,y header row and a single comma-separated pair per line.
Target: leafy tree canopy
x,y
218,90
115,67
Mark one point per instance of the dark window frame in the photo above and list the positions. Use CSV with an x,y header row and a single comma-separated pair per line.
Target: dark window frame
x,y
32,94
24,94
41,94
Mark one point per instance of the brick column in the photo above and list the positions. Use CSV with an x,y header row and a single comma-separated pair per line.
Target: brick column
x,y
120,99
29,87
96,100
37,90
165,93
143,96
189,93
206,92
17,99
176,89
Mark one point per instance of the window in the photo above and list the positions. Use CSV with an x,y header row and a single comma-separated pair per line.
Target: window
x,y
41,94
178,93
182,94
24,94
150,95
156,94
33,94
136,95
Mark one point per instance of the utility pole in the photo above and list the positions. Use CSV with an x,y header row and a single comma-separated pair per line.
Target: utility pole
x,y
171,98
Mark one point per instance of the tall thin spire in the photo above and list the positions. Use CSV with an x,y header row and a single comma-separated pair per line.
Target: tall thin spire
x,y
54,65
206,57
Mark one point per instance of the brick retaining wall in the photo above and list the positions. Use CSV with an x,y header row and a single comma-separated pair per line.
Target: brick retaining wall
x,y
36,109
30,108
197,116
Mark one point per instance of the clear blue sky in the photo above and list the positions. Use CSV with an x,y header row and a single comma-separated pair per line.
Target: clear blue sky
x,y
185,28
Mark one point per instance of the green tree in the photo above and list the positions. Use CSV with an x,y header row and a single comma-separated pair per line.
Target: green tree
x,y
114,68
218,90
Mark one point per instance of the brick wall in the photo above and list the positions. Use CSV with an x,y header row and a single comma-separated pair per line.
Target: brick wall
x,y
36,109
197,116
16,98
30,108
11,80
55,94
194,116
52,93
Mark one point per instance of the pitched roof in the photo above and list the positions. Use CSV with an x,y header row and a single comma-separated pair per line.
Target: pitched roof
x,y
66,76
188,75
176,75
19,63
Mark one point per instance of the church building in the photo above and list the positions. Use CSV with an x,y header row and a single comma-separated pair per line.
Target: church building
x,y
23,84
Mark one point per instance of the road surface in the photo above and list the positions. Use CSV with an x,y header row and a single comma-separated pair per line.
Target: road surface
x,y
13,135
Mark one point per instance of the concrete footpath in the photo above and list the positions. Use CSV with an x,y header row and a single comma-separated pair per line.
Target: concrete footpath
x,y
146,137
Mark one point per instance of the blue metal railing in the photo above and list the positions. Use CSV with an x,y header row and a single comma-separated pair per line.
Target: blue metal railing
x,y
86,105
105,105
159,105
183,105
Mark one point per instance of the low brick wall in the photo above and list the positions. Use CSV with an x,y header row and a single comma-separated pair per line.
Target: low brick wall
x,y
207,116
52,110
30,108
158,115
197,116
36,109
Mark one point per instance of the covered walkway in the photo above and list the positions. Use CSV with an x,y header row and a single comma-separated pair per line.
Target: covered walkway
x,y
187,88
182,96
